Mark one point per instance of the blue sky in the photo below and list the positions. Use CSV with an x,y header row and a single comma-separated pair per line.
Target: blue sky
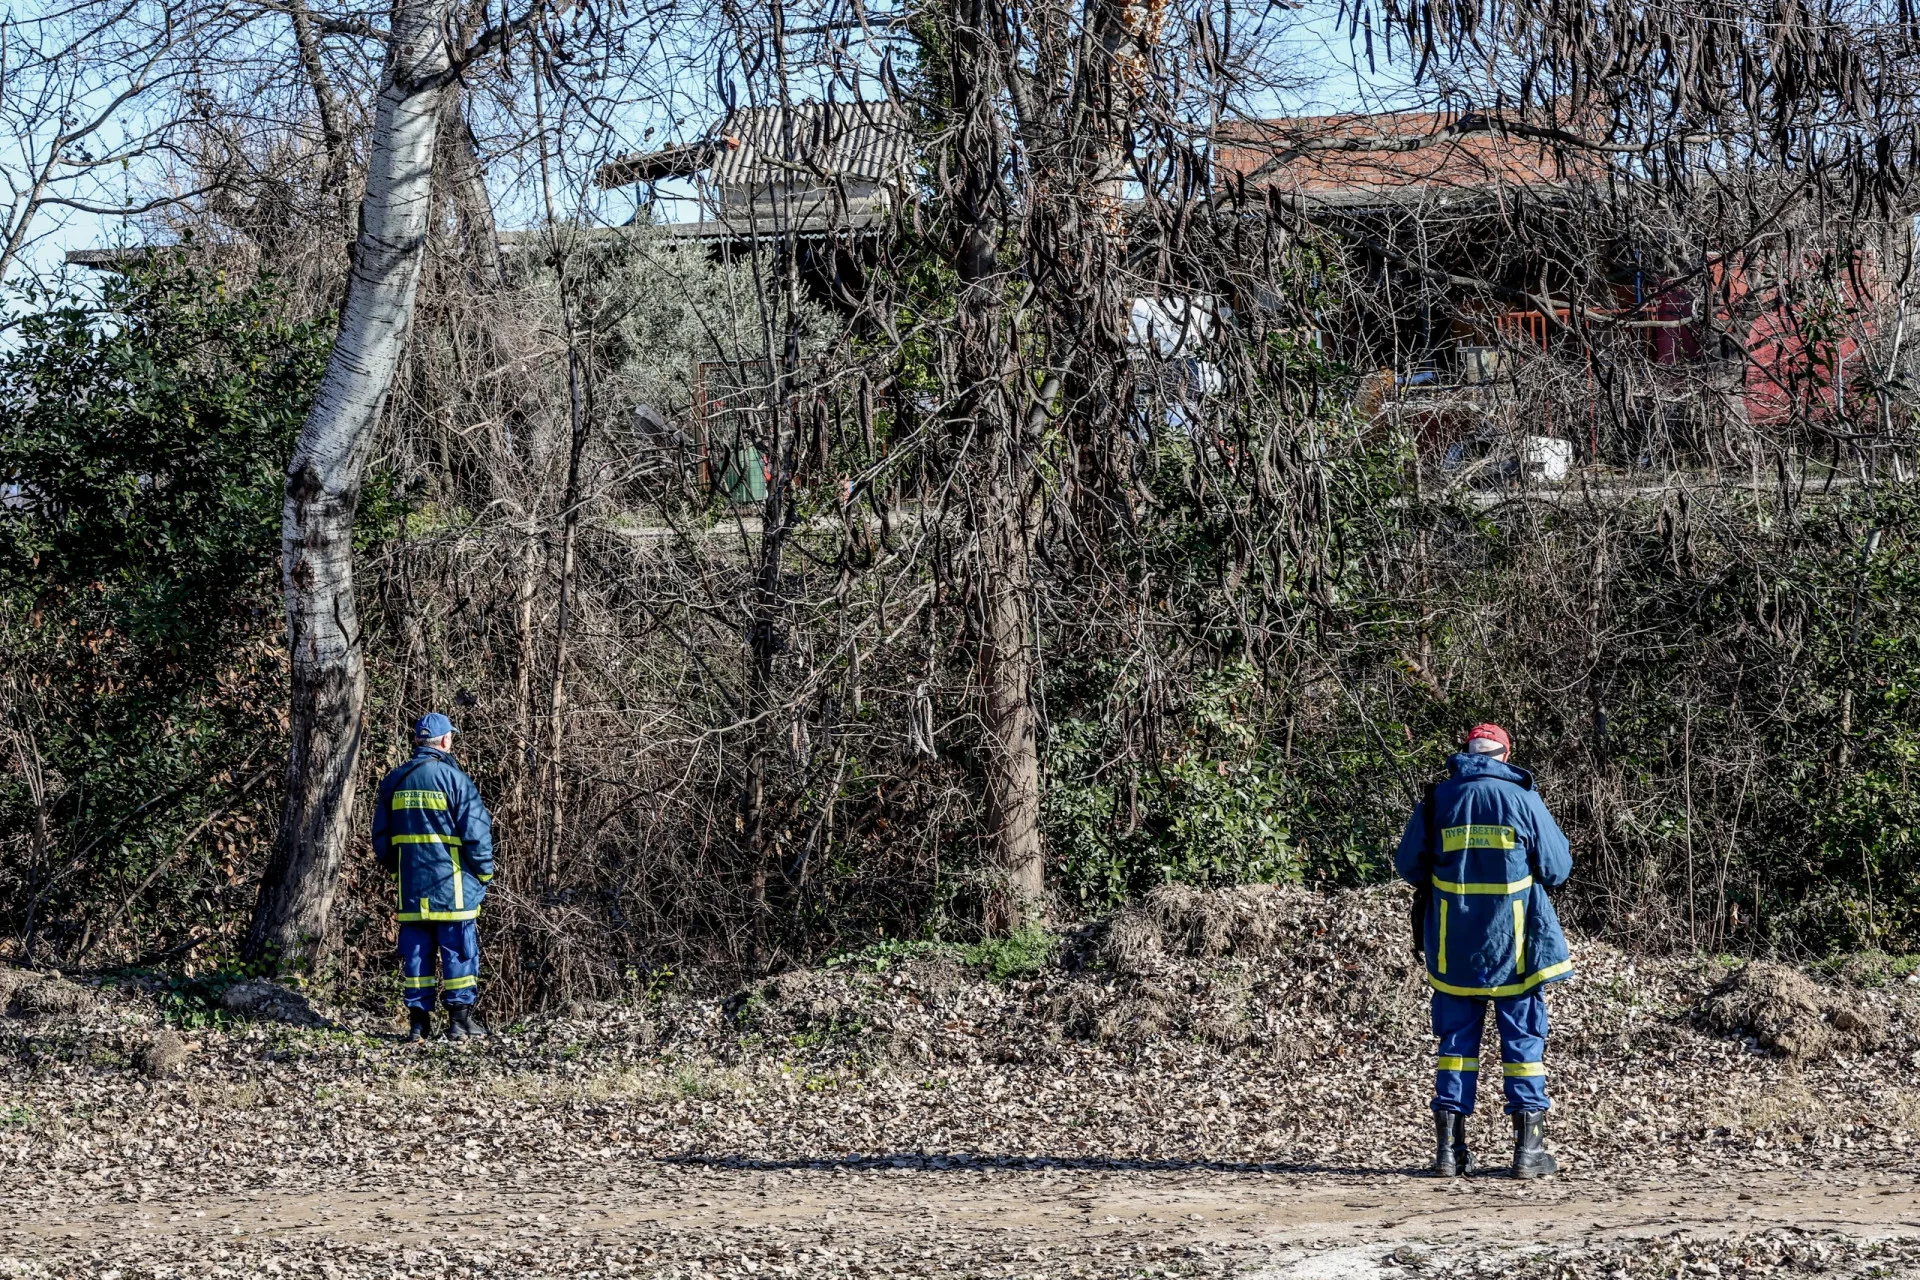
x,y
1316,44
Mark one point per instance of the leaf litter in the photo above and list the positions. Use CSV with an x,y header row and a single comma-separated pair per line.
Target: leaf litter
x,y
1203,1084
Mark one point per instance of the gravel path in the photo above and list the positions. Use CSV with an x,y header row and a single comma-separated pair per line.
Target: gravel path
x,y
653,1217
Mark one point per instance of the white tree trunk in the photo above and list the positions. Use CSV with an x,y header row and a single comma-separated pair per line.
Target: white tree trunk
x,y
290,923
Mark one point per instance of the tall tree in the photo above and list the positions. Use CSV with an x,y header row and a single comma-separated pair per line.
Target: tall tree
x,y
987,373
323,491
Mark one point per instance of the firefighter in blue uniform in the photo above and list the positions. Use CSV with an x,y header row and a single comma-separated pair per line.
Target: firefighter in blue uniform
x,y
433,835
1484,850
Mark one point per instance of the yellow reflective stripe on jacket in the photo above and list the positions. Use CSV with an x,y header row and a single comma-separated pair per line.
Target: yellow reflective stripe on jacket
x,y
1440,958
455,984
1477,836
1446,1062
1531,981
1519,936
453,845
1513,886
424,916
1523,1069
419,800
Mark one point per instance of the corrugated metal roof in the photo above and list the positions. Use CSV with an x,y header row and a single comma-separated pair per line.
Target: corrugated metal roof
x,y
823,141
650,166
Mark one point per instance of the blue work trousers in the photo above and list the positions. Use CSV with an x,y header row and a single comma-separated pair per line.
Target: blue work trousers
x,y
458,944
1458,1020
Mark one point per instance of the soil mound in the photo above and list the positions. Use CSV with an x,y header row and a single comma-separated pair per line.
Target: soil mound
x,y
49,997
269,1002
11,980
1336,953
163,1057
1365,927
1255,966
1789,1013
799,1002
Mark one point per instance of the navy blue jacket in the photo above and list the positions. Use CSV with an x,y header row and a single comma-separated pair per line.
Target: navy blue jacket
x,y
433,834
1490,929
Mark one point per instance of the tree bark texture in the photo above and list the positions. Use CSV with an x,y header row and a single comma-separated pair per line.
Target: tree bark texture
x,y
1013,760
326,100
553,788
291,920
466,180
989,371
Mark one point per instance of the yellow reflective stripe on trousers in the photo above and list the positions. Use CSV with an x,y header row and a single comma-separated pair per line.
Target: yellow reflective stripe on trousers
x,y
1532,980
1477,836
1446,1062
1519,937
455,984
1440,961
414,984
1515,886
1523,1069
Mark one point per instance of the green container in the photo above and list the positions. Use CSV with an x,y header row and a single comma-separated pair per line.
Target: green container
x,y
743,480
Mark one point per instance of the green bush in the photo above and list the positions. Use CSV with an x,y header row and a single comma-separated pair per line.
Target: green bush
x,y
1216,811
143,440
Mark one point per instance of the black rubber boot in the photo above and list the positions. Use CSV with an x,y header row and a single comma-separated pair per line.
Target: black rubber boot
x,y
419,1025
1451,1159
1530,1156
460,1022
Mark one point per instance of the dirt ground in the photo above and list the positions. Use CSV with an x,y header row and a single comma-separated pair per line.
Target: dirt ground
x,y
1196,1107
703,1219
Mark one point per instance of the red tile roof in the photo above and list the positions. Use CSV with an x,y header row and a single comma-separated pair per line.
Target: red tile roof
x,y
1349,156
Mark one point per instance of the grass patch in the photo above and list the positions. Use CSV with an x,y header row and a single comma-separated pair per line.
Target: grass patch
x,y
1020,954
1872,968
839,1030
189,1003
880,956
689,1083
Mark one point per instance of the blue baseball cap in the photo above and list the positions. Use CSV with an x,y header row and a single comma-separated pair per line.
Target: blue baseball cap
x,y
432,725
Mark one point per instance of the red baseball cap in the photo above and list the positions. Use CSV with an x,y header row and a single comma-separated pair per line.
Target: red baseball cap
x,y
1491,732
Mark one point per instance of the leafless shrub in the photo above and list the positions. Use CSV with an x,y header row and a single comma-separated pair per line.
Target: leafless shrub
x,y
1092,411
